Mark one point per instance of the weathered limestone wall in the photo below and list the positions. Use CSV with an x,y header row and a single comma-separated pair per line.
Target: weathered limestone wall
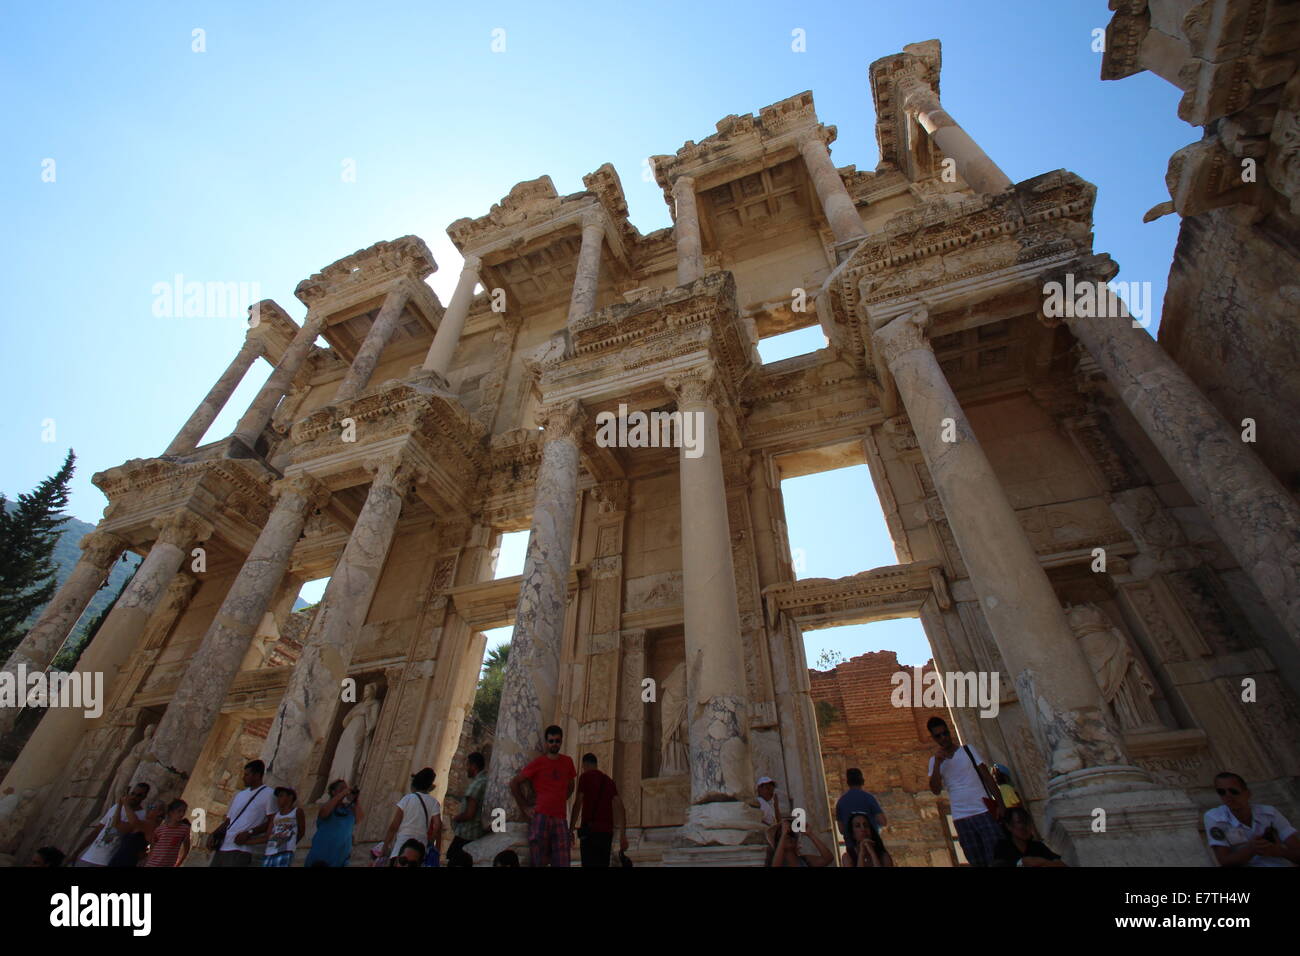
x,y
1230,321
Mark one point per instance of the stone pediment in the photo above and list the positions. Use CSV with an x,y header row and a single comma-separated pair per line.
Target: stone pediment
x,y
942,242
624,344
372,268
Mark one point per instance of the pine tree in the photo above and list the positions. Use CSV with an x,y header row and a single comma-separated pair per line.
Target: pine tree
x,y
28,533
487,700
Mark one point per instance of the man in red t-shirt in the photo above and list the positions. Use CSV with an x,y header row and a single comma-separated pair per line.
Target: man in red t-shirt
x,y
602,809
552,776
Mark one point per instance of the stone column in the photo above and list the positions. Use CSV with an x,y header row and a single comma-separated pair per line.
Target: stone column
x,y
1086,764
1253,514
46,756
381,332
717,712
311,700
188,438
690,250
38,647
837,204
531,683
974,165
263,407
587,278
197,700
453,320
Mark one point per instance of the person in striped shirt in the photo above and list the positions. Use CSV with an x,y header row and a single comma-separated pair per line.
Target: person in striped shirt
x,y
169,843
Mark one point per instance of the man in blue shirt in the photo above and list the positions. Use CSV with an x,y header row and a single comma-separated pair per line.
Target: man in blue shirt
x,y
855,800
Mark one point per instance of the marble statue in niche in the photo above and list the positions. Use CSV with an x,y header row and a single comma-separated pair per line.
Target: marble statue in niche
x,y
674,756
1123,683
359,724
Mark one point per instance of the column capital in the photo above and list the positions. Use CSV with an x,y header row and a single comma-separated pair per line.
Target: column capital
x,y
684,183
562,421
903,334
1099,268
182,528
101,548
593,219
472,264
915,94
308,486
698,386
397,471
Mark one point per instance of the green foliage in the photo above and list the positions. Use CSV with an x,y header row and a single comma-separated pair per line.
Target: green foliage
x,y
826,714
829,659
29,533
70,653
487,700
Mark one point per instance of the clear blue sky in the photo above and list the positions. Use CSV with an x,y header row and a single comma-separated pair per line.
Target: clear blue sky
x,y
225,166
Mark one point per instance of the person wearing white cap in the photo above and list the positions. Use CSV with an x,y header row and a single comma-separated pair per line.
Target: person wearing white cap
x,y
767,800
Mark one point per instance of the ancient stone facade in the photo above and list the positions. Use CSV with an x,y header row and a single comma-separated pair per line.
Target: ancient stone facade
x,y
1049,483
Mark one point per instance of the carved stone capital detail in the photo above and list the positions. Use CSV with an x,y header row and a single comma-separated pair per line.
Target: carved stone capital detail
x,y
903,334
302,484
101,548
182,528
699,386
562,421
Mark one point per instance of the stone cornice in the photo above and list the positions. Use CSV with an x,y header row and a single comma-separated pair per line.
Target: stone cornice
x,y
873,594
372,267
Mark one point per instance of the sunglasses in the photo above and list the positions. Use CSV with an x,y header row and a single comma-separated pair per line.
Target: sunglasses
x,y
405,862
553,740
1223,792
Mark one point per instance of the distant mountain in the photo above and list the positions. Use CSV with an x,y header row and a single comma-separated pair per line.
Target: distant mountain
x,y
67,554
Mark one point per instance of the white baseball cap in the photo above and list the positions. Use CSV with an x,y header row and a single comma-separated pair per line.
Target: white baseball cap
x,y
763,780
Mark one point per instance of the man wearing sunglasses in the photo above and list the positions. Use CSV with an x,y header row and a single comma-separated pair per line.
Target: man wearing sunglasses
x,y
552,775
1242,833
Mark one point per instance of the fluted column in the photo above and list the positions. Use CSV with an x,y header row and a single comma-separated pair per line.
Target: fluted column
x,y
837,204
372,347
277,386
188,438
311,699
99,550
1254,516
717,711
1083,752
690,250
980,172
45,757
197,700
453,320
531,681
587,277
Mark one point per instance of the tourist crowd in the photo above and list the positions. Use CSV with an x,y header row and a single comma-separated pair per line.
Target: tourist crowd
x,y
992,825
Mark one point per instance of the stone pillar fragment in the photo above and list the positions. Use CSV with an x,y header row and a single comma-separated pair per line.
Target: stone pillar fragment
x,y
837,204
197,701
1254,516
587,277
717,712
311,699
531,682
45,758
188,438
38,647
1086,764
372,347
980,172
690,254
277,386
447,338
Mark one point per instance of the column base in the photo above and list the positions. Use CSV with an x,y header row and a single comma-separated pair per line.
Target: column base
x,y
1144,824
730,823
747,855
485,849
